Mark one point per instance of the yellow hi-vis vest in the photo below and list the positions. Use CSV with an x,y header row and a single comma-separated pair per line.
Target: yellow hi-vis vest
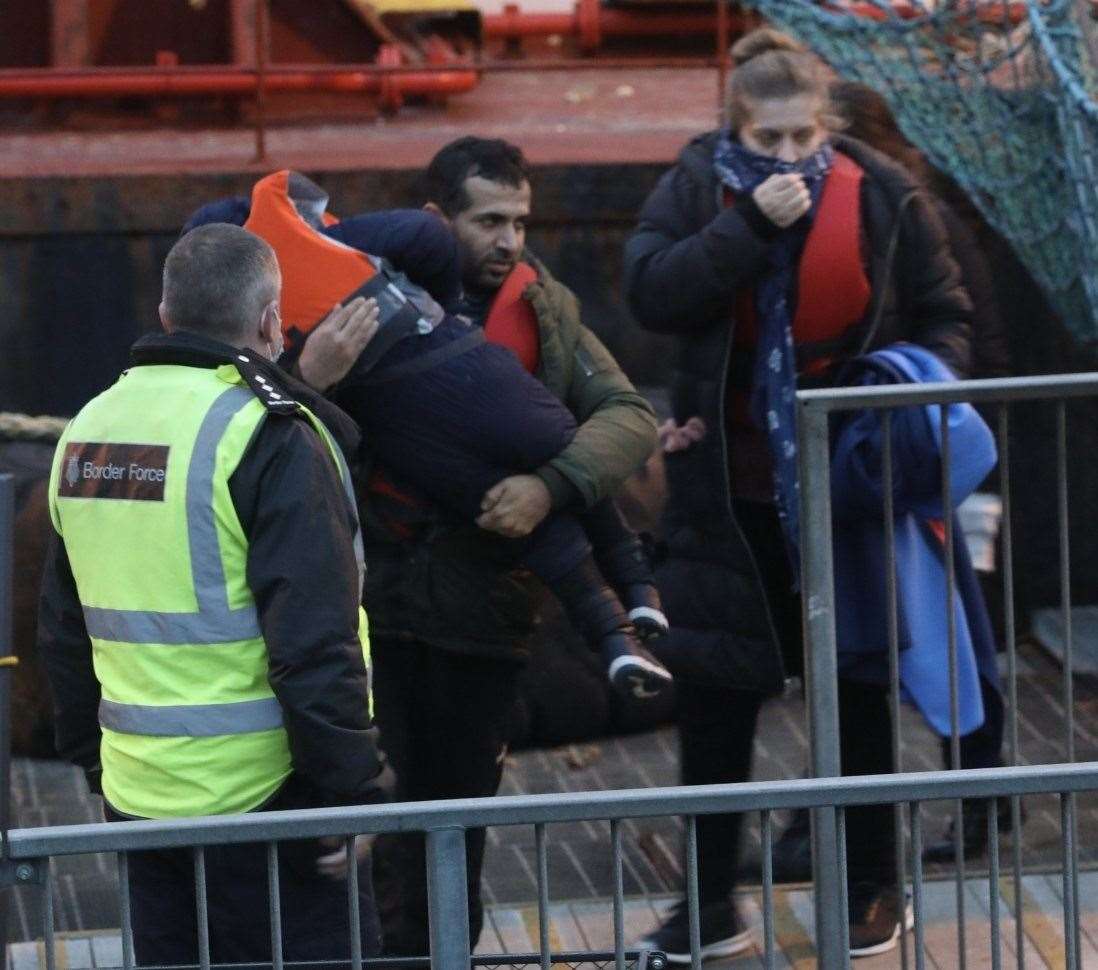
x,y
140,495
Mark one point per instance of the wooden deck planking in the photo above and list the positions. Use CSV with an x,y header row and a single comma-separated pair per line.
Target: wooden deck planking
x,y
587,925
751,911
107,950
1088,909
511,928
1008,931
564,932
78,953
794,916
1048,893
489,941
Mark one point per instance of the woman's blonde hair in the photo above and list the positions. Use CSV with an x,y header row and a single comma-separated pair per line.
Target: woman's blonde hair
x,y
768,65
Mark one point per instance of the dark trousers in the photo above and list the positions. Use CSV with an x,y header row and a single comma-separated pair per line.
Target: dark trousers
x,y
982,748
444,727
865,747
717,732
716,735
315,909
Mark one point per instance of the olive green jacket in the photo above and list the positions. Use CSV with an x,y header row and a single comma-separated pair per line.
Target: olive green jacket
x,y
457,587
617,429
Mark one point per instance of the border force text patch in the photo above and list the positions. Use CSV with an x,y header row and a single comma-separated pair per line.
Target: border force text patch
x,y
94,469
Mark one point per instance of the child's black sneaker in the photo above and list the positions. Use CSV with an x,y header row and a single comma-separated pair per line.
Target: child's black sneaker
x,y
632,670
645,611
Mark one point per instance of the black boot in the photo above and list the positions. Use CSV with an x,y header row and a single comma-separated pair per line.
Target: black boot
x,y
597,613
974,831
626,567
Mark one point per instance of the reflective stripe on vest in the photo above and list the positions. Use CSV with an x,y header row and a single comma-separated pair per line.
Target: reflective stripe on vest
x,y
214,622
191,720
349,491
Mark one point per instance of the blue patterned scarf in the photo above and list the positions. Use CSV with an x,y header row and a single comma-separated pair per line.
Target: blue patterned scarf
x,y
774,383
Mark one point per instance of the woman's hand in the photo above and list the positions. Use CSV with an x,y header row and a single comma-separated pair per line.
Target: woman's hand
x,y
783,199
675,437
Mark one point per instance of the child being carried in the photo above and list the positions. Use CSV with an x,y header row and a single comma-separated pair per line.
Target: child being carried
x,y
452,414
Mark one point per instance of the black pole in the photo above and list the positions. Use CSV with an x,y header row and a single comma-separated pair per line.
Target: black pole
x,y
7,661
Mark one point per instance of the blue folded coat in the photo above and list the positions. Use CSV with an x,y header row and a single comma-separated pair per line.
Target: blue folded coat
x,y
860,553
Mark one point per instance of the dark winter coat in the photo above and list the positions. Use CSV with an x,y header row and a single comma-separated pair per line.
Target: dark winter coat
x,y
683,267
456,587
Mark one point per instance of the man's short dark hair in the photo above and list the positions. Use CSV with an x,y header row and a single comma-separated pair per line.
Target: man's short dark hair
x,y
217,280
490,158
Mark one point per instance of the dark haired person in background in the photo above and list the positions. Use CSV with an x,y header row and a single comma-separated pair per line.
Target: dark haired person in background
x,y
449,612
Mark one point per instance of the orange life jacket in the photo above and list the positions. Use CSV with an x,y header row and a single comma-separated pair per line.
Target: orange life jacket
x,y
511,321
832,287
317,272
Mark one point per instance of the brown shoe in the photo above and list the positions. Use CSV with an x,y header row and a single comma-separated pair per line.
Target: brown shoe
x,y
875,916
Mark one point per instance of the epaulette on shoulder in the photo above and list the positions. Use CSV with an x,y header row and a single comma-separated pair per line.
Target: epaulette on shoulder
x,y
272,395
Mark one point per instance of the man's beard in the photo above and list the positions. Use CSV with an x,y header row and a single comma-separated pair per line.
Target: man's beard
x,y
492,279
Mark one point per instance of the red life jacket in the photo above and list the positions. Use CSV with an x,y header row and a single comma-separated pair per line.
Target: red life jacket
x,y
833,290
832,296
511,321
317,272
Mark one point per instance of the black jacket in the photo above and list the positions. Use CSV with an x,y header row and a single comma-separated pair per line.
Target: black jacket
x,y
454,586
683,267
301,570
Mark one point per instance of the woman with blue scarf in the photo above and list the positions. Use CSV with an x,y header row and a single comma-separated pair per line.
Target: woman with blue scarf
x,y
778,252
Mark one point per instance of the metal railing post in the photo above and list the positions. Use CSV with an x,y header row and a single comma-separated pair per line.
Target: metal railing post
x,y
821,672
7,661
262,59
447,899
